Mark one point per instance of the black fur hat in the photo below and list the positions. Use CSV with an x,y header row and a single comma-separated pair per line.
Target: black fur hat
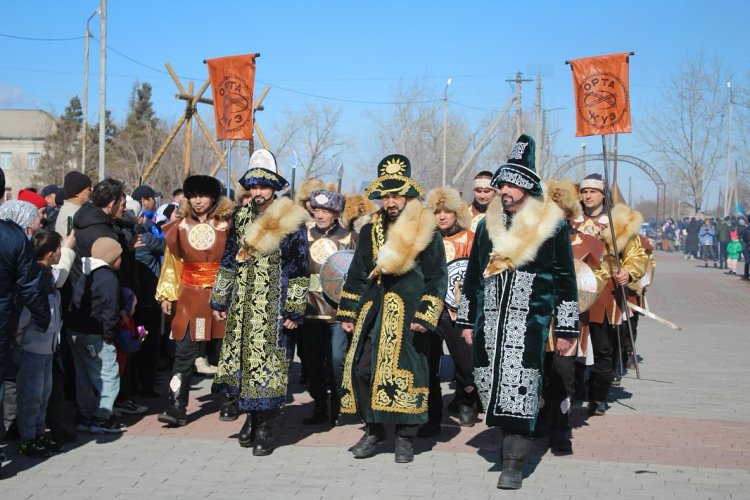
x,y
202,184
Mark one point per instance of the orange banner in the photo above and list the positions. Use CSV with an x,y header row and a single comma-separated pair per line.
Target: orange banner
x,y
232,80
602,93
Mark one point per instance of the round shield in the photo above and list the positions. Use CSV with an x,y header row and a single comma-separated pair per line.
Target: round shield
x,y
333,273
587,285
456,276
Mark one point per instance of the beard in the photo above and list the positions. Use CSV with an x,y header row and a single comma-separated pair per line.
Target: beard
x,y
509,203
393,212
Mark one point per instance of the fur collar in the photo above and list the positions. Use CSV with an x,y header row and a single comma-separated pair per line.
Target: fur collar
x,y
265,233
405,240
627,223
566,195
222,211
518,245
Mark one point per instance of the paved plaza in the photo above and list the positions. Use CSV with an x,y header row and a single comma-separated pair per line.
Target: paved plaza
x,y
681,431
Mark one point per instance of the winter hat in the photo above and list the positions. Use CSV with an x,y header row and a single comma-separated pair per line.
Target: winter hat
x,y
106,249
75,182
205,185
449,199
262,172
21,212
394,177
520,169
593,181
321,198
49,189
32,197
733,235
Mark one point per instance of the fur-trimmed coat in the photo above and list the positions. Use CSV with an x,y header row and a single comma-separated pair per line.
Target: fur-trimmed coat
x,y
520,283
633,258
263,281
191,259
398,276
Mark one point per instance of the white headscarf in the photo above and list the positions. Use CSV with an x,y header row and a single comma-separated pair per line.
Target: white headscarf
x,y
22,213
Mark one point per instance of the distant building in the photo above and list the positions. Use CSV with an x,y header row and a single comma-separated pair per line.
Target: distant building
x,y
22,134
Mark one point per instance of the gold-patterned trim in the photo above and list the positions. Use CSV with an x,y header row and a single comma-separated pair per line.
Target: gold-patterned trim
x,y
350,296
393,388
434,307
347,313
296,296
348,401
378,238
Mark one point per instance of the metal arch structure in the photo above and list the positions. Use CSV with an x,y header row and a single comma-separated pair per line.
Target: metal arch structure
x,y
644,166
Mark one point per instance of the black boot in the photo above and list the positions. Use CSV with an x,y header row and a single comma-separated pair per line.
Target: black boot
x,y
516,450
264,435
319,414
176,412
560,433
404,449
230,409
467,415
368,444
247,433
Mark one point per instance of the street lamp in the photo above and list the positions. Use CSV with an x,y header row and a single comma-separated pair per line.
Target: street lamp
x,y
86,90
445,127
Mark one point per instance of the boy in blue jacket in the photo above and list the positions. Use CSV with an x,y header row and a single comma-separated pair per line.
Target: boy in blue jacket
x,y
93,323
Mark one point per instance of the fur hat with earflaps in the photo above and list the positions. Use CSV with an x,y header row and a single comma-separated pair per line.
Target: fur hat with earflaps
x,y
448,198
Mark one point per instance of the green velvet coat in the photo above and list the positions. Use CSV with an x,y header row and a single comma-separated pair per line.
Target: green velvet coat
x,y
519,284
409,288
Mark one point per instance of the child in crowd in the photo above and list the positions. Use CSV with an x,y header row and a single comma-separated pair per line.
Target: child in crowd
x,y
35,348
93,324
734,249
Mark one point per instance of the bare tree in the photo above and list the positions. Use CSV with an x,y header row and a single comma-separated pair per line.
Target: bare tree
x,y
687,127
315,134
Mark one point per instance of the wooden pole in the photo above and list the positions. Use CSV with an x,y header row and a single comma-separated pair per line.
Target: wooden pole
x,y
188,133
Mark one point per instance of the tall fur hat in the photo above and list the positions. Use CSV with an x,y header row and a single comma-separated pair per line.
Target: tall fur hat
x,y
448,198
307,186
566,195
356,207
202,184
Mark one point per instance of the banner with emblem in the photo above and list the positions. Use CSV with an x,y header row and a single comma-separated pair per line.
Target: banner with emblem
x,y
602,94
232,81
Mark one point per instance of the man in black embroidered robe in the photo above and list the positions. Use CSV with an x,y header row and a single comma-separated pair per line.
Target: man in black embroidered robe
x,y
520,282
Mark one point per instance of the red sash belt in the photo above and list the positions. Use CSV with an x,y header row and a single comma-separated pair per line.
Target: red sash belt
x,y
199,274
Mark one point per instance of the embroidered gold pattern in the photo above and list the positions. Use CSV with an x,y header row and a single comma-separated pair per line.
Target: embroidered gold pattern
x,y
296,295
393,388
348,401
350,296
321,249
431,314
202,236
347,313
401,190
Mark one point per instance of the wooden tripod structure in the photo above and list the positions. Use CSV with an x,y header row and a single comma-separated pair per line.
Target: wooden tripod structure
x,y
191,111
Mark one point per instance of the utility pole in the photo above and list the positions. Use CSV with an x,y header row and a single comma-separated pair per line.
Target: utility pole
x,y
84,125
519,81
102,85
538,136
729,153
445,129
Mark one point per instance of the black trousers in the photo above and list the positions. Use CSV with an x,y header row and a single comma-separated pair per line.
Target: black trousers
x,y
462,355
325,346
146,359
364,374
603,343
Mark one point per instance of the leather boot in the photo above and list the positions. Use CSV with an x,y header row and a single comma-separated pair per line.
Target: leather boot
x,y
230,409
516,450
264,435
367,444
247,433
560,432
176,412
467,416
404,450
319,414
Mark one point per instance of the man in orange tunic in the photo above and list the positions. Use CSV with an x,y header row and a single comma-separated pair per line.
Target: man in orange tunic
x,y
195,244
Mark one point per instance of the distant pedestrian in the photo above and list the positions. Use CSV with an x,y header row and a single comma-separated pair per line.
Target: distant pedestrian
x,y
734,250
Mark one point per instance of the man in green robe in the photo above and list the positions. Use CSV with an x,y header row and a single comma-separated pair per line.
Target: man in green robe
x,y
519,284
392,297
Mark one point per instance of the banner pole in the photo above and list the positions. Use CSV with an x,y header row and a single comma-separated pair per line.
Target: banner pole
x,y
229,165
621,295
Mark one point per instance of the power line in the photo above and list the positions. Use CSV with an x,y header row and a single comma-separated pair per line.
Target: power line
x,y
34,39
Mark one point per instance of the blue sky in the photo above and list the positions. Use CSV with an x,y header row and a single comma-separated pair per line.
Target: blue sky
x,y
353,55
